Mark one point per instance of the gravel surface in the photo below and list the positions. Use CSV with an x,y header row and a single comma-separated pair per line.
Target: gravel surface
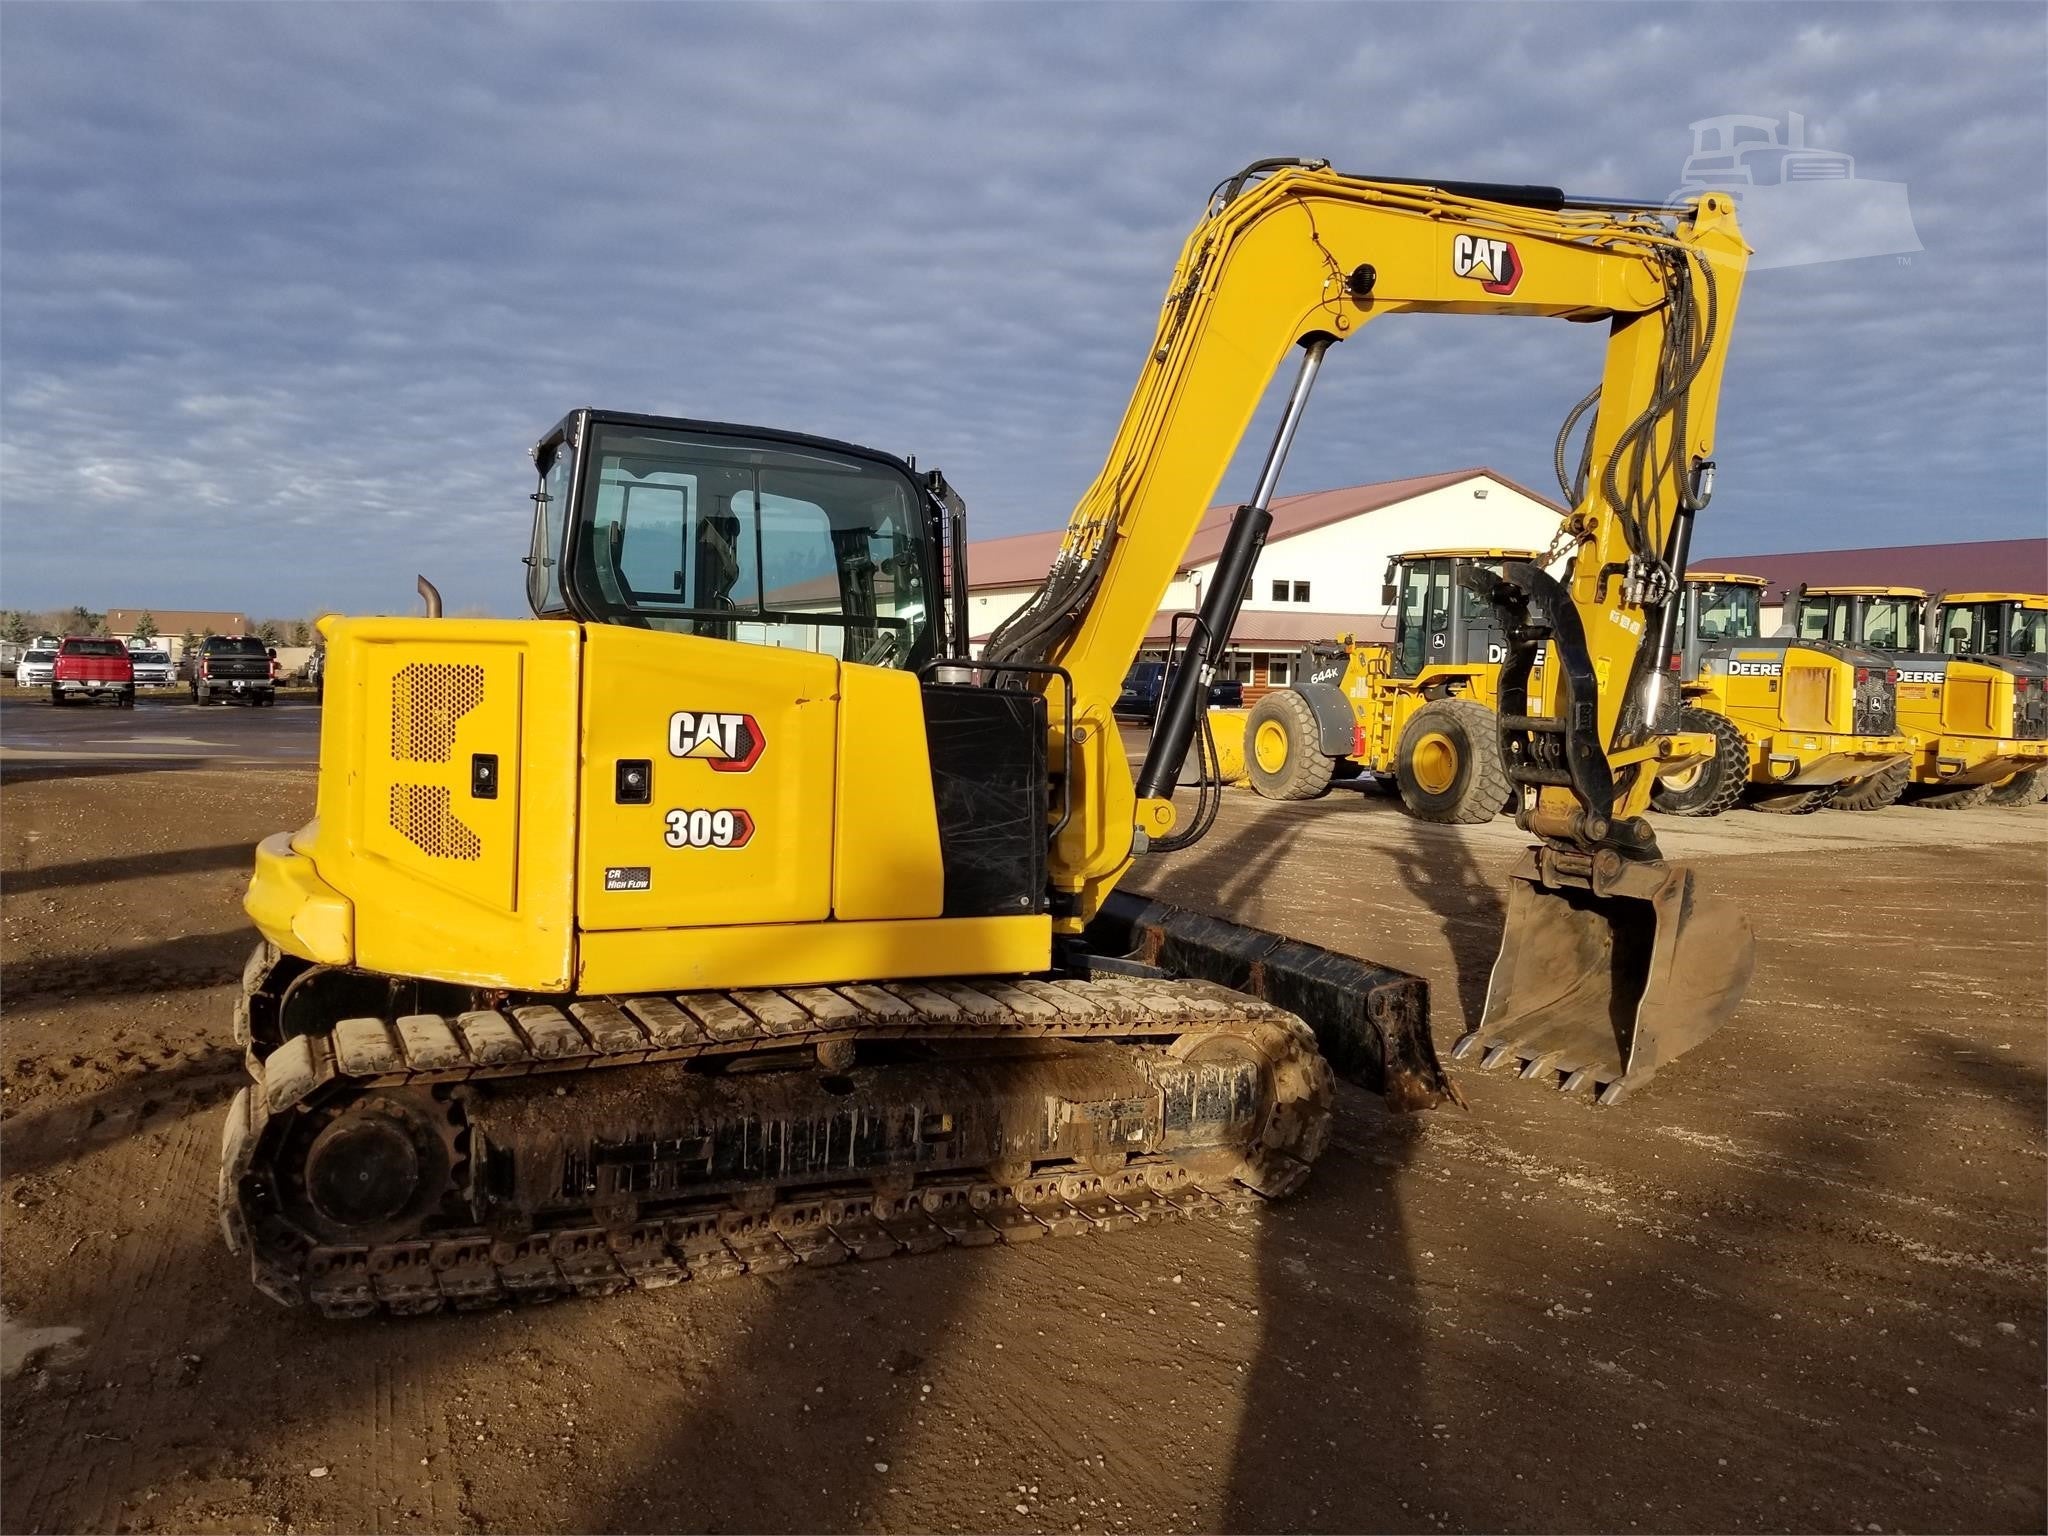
x,y
1795,1284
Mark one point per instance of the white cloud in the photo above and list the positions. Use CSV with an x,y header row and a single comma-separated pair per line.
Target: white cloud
x,y
282,314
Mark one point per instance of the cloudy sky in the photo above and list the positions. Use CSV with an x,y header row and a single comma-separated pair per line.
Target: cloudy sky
x,y
287,291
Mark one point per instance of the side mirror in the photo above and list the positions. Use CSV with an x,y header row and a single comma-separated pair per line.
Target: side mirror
x,y
1389,595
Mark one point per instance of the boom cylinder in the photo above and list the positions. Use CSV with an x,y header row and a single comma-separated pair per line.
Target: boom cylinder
x,y
1188,685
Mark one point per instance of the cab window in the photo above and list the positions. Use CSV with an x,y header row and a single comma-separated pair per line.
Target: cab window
x,y
1730,611
1962,631
2027,634
768,543
1892,623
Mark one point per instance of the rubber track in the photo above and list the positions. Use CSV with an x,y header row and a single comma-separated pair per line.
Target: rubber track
x,y
720,1239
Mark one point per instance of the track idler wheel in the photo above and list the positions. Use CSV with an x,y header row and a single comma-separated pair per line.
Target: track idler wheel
x,y
1294,1080
372,1168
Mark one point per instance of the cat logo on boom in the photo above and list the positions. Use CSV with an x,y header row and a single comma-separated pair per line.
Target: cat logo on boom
x,y
727,743
1493,264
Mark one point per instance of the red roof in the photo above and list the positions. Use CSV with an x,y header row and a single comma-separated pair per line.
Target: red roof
x,y
1276,629
1023,559
1990,565
1283,628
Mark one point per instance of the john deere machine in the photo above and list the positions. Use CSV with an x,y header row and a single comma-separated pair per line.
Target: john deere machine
x,y
726,915
1796,721
1419,710
1966,713
2012,626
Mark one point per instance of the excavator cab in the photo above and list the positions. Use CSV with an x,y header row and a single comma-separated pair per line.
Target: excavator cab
x,y
733,533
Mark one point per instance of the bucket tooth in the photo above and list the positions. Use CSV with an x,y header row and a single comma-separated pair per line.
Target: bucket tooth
x,y
1494,1056
1574,1081
1467,1044
1538,1066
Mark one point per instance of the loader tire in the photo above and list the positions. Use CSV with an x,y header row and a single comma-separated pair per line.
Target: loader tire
x,y
1449,764
1968,798
1790,802
1282,755
2026,788
1875,791
1709,788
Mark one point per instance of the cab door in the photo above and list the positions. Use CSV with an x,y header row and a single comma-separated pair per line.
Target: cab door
x,y
1422,626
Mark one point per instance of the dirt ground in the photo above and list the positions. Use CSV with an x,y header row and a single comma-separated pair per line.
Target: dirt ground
x,y
1795,1284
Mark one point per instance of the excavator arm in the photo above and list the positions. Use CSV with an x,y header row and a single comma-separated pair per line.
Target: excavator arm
x,y
1293,256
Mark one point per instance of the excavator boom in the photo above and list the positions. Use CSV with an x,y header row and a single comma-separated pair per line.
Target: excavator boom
x,y
1611,964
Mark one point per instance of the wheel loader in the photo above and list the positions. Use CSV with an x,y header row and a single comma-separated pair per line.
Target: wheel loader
x,y
1966,714
1420,710
1796,720
728,914
2012,626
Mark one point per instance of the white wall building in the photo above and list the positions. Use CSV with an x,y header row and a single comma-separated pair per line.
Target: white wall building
x,y
1321,571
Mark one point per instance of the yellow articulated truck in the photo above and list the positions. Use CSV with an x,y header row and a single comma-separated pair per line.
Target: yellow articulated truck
x,y
1797,720
1966,711
1420,710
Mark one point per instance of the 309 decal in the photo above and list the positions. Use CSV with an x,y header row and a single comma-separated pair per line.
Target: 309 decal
x,y
709,829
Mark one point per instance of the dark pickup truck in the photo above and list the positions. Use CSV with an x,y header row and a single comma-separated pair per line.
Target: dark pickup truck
x,y
230,667
1140,698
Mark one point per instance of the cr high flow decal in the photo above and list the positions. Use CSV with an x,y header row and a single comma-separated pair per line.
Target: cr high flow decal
x,y
728,743
1493,264
709,829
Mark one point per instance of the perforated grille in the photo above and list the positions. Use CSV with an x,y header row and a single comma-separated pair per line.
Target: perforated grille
x,y
423,815
427,699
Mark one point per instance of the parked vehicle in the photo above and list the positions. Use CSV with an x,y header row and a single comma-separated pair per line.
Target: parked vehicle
x,y
152,668
1140,698
230,667
92,669
36,665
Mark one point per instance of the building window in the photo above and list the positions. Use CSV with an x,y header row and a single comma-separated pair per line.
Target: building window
x,y
1280,671
1301,591
1279,591
1236,665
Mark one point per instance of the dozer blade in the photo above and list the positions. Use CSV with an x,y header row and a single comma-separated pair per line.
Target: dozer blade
x,y
1371,1022
1608,971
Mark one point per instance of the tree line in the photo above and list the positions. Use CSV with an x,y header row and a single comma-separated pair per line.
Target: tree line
x,y
23,625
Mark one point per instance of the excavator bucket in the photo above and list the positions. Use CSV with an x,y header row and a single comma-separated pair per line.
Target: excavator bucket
x,y
1608,971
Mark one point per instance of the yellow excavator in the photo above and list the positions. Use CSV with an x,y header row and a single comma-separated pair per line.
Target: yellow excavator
x,y
728,914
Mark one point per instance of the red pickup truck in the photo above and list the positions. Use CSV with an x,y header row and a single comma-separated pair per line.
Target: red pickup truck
x,y
93,669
